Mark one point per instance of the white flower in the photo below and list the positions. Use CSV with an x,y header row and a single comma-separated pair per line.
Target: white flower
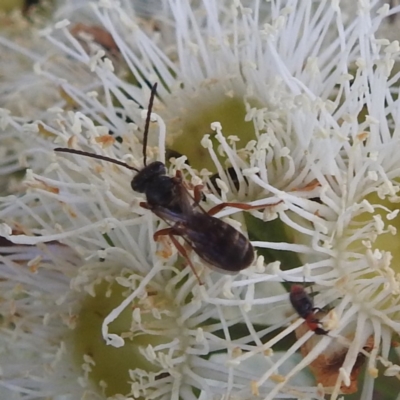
x,y
299,100
37,310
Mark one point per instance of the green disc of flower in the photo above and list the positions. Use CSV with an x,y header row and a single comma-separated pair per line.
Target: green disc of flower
x,y
8,5
274,231
111,365
385,239
190,127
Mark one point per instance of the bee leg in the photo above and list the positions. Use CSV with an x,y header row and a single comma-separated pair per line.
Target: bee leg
x,y
241,206
197,190
145,205
198,194
162,232
183,253
178,178
181,250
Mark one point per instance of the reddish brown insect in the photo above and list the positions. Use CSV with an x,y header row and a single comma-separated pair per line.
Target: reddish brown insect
x,y
304,306
215,241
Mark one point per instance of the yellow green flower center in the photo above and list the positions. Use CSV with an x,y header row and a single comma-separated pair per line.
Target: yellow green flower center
x,y
193,122
384,239
112,365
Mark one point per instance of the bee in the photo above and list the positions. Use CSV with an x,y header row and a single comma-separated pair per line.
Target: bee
x,y
214,241
304,306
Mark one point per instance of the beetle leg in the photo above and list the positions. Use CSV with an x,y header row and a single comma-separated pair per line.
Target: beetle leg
x,y
314,324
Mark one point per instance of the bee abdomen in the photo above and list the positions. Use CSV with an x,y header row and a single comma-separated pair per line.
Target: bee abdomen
x,y
221,245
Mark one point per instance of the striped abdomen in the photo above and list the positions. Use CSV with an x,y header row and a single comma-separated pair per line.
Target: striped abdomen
x,y
218,243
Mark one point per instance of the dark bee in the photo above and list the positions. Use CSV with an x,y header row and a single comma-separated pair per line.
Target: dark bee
x,y
304,306
215,241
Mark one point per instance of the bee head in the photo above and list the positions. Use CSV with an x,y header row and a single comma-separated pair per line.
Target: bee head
x,y
141,180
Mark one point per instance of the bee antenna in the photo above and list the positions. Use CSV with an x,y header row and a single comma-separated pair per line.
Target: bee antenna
x,y
92,155
148,118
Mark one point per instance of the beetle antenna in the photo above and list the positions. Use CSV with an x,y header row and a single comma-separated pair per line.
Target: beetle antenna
x,y
147,124
92,155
